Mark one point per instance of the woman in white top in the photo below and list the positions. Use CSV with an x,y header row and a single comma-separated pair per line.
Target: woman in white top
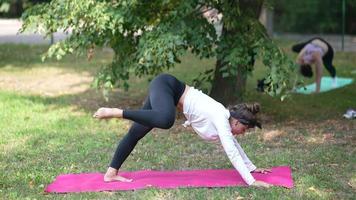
x,y
209,118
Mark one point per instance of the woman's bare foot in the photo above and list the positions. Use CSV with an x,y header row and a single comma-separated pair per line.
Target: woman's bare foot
x,y
111,175
106,113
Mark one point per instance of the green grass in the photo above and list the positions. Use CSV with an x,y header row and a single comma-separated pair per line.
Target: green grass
x,y
43,136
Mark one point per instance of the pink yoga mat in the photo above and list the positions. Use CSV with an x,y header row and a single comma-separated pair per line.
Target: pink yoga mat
x,y
93,182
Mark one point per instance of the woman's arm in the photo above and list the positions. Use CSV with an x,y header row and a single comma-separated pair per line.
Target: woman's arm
x,y
227,140
248,162
300,59
245,158
318,69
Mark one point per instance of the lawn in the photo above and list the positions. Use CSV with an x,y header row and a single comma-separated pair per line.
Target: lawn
x,y
47,129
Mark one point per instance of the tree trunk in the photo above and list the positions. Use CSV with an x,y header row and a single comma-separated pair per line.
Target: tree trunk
x,y
16,9
230,90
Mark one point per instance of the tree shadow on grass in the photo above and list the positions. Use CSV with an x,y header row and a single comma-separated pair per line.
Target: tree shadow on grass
x,y
89,100
309,109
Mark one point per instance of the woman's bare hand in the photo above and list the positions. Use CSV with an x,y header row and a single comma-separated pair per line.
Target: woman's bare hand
x,y
263,170
261,184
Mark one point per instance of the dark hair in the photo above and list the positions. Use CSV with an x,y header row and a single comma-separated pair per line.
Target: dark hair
x,y
246,114
306,71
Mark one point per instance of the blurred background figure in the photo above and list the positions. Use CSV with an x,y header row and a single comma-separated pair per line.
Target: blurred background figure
x,y
317,52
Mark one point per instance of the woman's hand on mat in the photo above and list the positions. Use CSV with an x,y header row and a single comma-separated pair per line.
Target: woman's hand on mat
x,y
263,170
105,113
261,184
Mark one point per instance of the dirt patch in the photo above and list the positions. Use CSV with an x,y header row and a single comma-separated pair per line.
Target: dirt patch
x,y
270,135
330,131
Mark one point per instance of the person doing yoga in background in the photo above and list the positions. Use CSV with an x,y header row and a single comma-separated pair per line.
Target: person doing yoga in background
x,y
318,52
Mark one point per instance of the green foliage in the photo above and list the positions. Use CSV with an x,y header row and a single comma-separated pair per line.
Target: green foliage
x,y
149,37
4,6
243,49
14,8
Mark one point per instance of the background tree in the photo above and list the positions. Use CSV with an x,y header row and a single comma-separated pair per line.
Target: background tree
x,y
15,8
148,37
317,16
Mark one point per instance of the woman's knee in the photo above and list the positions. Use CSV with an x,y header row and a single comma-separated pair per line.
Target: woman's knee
x,y
165,121
167,124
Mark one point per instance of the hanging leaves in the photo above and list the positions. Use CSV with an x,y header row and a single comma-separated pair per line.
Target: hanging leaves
x,y
148,37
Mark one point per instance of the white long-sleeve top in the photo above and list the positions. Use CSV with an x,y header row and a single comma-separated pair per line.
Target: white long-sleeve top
x,y
210,120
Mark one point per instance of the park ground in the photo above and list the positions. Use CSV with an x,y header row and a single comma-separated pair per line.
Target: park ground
x,y
47,129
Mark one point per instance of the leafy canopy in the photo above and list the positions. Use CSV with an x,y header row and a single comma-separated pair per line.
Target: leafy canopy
x,y
148,37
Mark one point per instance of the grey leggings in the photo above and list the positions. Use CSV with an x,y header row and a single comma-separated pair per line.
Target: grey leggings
x,y
159,111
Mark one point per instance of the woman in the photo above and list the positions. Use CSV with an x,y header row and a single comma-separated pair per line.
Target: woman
x,y
207,117
315,51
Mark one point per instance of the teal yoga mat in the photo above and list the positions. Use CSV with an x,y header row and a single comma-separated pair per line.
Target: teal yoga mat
x,y
326,85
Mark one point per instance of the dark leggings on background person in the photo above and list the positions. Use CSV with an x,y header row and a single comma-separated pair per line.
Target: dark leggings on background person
x,y
159,111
